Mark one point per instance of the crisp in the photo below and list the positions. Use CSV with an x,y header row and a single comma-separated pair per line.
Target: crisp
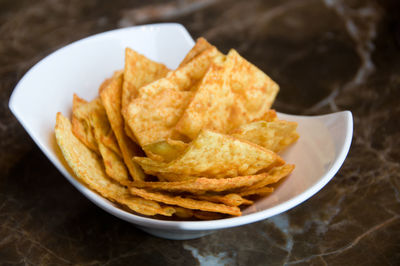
x,y
88,168
213,155
274,136
202,185
153,114
185,202
111,99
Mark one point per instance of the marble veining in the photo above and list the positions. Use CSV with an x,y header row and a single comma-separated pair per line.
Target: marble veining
x,y
327,55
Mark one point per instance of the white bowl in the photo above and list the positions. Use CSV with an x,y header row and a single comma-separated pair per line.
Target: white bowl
x,y
80,67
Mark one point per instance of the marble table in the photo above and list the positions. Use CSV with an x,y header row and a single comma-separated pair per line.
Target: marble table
x,y
326,55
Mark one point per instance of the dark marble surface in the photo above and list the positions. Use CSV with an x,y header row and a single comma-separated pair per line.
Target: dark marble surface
x,y
327,56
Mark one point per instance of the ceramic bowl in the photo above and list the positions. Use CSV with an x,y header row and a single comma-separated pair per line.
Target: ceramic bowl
x,y
80,67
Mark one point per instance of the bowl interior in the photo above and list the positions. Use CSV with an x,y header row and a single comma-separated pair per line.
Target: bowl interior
x,y
82,66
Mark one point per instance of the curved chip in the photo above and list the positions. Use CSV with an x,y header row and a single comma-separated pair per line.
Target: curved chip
x,y
200,46
111,99
274,176
185,202
88,168
202,184
275,136
153,114
81,126
214,155
232,93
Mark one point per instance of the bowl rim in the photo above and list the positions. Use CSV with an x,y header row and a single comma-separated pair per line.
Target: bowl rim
x,y
167,224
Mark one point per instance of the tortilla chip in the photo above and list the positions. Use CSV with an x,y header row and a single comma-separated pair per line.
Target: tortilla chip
x,y
81,126
230,94
138,72
111,98
185,202
104,85
211,105
165,150
274,136
200,46
274,176
187,75
214,155
202,185
229,199
94,116
153,115
253,90
88,168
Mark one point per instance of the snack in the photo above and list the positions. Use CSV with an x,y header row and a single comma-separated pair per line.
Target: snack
x,y
198,142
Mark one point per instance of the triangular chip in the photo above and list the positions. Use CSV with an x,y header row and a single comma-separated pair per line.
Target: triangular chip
x,y
274,136
202,185
152,116
185,202
229,95
211,105
111,99
200,46
254,91
213,155
88,168
274,176
81,126
138,72
93,116
193,71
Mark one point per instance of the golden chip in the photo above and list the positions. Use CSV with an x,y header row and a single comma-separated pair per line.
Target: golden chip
x,y
211,105
213,155
93,115
138,72
81,126
231,93
200,46
111,99
274,136
88,168
152,116
202,184
253,90
274,176
185,202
